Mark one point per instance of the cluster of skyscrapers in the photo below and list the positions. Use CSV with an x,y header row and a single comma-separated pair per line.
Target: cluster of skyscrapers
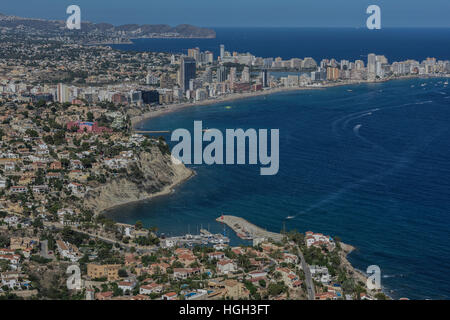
x,y
200,76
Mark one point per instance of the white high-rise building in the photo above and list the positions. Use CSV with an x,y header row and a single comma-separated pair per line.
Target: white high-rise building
x,y
379,70
232,75
371,66
63,93
245,75
222,51
359,64
371,63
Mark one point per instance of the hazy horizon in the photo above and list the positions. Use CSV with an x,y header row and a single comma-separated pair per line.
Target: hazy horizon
x,y
251,13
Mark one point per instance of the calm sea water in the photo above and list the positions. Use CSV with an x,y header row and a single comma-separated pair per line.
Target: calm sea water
x,y
368,163
340,43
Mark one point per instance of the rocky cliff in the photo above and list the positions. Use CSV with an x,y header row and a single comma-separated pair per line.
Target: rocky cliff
x,y
153,174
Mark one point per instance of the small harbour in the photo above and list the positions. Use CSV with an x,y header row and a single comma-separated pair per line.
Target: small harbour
x,y
345,171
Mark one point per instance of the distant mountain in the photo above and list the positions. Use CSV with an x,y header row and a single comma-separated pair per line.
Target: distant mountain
x,y
88,29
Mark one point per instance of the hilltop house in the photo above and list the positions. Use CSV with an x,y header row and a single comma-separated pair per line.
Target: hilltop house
x,y
318,240
67,250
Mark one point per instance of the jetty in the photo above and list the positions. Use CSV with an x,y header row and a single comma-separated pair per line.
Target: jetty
x,y
247,230
243,227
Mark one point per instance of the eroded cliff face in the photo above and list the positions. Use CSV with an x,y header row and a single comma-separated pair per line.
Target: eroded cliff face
x,y
152,175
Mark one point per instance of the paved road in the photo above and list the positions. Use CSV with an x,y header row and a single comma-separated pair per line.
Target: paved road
x,y
139,249
308,279
237,224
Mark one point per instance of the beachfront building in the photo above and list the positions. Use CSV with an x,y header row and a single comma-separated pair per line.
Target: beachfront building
x,y
318,240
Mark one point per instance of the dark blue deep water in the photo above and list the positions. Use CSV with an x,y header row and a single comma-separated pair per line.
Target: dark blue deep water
x,y
339,43
370,165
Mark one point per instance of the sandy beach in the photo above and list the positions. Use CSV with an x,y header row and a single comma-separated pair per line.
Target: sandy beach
x,y
230,97
165,109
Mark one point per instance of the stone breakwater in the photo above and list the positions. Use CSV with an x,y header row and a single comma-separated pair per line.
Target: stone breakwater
x,y
242,226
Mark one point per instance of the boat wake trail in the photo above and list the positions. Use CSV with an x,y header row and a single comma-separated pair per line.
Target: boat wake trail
x,y
359,117
373,144
402,162
356,131
342,122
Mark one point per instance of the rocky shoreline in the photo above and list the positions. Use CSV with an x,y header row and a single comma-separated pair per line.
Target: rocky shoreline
x,y
357,274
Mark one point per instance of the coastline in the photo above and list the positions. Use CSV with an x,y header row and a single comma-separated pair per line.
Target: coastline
x,y
346,250
169,108
130,40
164,192
166,109
359,275
356,274
238,224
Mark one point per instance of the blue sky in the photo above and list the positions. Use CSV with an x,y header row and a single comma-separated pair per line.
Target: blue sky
x,y
262,13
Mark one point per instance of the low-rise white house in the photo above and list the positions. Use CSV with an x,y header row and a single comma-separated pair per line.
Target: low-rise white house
x,y
19,189
257,274
318,240
116,163
126,285
169,296
290,258
216,255
76,188
325,278
184,273
226,266
2,183
13,260
11,220
314,269
67,250
10,279
320,273
168,243
150,288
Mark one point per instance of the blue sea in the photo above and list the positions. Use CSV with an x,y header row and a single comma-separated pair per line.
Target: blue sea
x,y
319,43
369,163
